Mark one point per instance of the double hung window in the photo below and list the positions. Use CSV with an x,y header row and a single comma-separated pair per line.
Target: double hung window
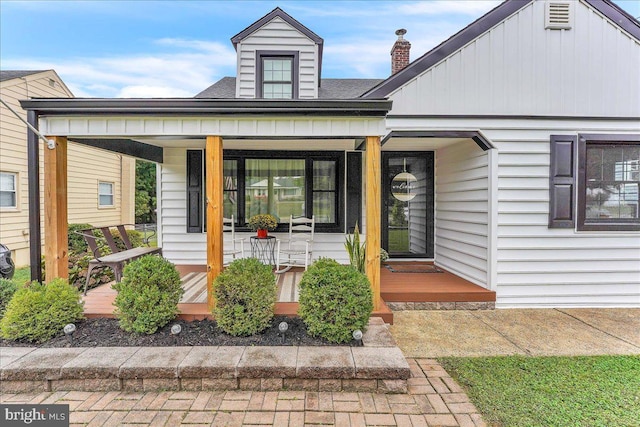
x,y
8,190
276,75
105,194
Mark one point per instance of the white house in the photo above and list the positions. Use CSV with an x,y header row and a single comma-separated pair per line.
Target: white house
x,y
507,155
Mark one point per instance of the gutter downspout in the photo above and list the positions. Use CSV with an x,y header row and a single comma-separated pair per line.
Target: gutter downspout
x,y
33,174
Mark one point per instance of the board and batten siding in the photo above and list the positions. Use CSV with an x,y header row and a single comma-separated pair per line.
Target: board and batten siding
x,y
86,166
184,248
277,35
520,68
462,211
542,267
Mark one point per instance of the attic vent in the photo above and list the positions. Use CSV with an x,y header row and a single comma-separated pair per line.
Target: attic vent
x,y
558,15
52,83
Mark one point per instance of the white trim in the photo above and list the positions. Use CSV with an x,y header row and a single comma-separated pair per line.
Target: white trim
x,y
159,233
112,194
228,127
492,250
16,185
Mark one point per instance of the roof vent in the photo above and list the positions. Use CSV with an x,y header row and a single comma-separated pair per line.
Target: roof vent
x,y
558,15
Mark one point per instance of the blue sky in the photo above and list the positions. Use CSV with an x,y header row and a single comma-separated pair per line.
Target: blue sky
x,y
178,48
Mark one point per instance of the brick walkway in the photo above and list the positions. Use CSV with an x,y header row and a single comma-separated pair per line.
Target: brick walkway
x,y
434,399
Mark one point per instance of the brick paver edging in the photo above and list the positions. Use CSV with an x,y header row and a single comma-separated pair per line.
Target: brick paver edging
x,y
378,366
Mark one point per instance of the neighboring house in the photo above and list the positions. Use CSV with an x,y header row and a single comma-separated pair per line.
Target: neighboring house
x,y
508,154
101,184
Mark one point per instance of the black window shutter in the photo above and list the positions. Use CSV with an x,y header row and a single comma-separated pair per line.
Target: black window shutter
x,y
194,191
354,190
562,181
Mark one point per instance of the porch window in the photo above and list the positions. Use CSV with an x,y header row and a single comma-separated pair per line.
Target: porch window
x,y
275,186
276,74
105,194
8,191
280,183
608,185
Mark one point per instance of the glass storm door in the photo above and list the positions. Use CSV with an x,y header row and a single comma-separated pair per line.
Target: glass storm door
x,y
407,208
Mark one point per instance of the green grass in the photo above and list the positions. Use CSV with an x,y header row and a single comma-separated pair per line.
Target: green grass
x,y
22,275
398,240
552,391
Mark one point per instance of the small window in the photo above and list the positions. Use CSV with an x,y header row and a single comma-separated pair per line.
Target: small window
x,y
276,75
609,185
8,190
105,194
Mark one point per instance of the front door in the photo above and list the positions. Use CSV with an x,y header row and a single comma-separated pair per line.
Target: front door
x,y
407,208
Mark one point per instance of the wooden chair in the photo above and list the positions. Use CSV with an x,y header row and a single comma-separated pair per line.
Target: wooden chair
x,y
298,250
232,248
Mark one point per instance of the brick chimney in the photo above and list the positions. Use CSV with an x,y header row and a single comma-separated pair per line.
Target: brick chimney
x,y
400,52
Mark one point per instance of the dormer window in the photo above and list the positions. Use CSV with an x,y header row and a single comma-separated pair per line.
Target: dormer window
x,y
277,75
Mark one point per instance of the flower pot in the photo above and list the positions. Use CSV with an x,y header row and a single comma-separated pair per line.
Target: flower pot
x,y
262,233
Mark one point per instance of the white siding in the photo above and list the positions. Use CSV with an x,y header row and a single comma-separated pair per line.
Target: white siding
x,y
519,68
543,267
462,218
277,35
185,248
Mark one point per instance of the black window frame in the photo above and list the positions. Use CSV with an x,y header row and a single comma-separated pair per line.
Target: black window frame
x,y
261,55
591,224
197,188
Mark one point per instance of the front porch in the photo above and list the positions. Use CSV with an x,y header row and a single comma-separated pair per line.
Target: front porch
x,y
399,290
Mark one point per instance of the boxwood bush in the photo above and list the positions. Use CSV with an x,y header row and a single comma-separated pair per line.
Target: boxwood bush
x,y
7,289
148,294
246,294
335,300
38,312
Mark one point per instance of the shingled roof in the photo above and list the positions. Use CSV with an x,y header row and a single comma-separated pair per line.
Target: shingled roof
x,y
225,88
16,74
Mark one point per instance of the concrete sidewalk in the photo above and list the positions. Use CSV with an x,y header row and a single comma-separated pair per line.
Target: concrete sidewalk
x,y
533,332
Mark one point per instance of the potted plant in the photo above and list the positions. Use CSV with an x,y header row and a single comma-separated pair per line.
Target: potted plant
x,y
262,223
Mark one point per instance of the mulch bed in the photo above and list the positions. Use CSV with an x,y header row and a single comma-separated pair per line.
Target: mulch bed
x,y
107,333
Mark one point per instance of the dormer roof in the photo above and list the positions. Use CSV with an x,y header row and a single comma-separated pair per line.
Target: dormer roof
x,y
279,13
276,13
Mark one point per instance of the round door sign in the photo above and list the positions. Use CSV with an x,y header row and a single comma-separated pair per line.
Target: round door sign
x,y
403,186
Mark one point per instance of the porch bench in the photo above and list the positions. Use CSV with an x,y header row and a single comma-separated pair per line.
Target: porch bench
x,y
118,257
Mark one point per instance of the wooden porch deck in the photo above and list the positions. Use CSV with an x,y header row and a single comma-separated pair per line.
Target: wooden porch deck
x,y
395,287
429,287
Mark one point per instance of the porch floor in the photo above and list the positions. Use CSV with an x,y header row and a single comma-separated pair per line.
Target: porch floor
x,y
394,288
429,287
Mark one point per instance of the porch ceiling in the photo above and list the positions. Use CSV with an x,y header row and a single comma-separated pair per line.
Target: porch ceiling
x,y
420,144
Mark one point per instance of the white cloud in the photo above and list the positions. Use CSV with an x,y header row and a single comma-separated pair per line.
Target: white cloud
x,y
193,67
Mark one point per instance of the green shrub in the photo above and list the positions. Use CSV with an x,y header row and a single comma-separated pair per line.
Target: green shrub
x,y
135,237
38,312
77,243
335,300
246,294
148,294
7,289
